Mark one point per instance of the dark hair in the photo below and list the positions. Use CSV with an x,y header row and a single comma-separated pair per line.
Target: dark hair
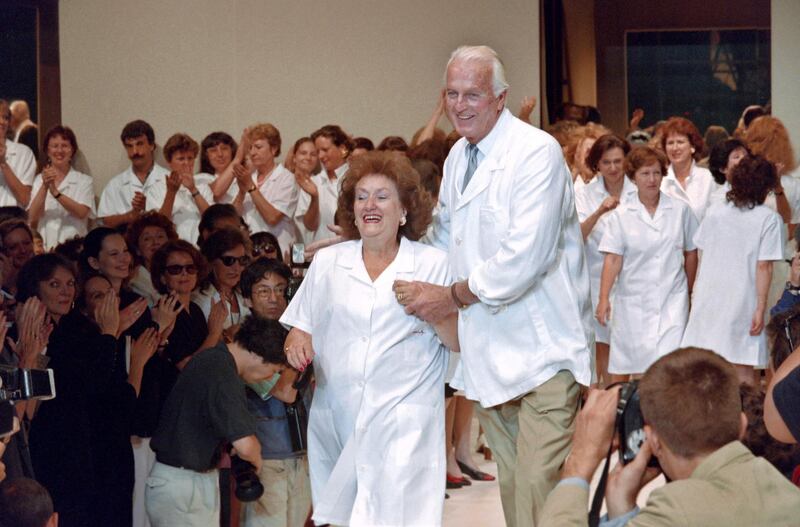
x,y
212,214
258,269
218,244
263,337
714,135
691,399
751,181
210,141
39,269
363,142
263,238
682,126
429,175
397,167
718,157
434,150
336,135
137,128
92,245
642,156
180,143
11,225
13,212
752,113
70,249
782,456
134,231
24,502
783,334
393,143
593,115
602,145
58,130
158,264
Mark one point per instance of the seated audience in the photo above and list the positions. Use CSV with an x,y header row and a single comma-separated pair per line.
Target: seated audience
x,y
693,423
785,458
266,244
217,217
16,245
63,198
144,237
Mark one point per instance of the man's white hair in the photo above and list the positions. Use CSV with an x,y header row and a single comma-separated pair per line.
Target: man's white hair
x,y
485,55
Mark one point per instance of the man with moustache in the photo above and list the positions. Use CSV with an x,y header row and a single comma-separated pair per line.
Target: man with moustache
x,y
141,187
507,219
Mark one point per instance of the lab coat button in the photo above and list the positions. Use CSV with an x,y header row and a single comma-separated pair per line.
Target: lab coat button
x,y
458,241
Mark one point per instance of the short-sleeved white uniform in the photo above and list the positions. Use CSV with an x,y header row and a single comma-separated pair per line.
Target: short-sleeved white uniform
x,y
651,300
57,224
699,186
185,212
328,190
732,241
22,161
280,189
375,441
588,198
117,196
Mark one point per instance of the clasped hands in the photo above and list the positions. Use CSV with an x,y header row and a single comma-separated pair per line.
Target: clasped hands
x,y
429,302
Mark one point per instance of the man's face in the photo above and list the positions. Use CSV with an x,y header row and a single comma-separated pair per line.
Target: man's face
x,y
268,296
471,106
140,152
258,370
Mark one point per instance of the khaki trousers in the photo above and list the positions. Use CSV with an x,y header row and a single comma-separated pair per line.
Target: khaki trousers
x,y
530,438
287,495
177,496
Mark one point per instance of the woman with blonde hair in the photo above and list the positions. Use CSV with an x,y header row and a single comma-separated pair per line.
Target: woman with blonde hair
x,y
579,142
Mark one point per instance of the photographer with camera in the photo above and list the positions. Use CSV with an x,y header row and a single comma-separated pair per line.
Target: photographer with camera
x,y
693,419
205,410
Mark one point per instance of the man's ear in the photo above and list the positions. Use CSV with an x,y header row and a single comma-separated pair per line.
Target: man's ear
x,y
652,438
53,521
742,426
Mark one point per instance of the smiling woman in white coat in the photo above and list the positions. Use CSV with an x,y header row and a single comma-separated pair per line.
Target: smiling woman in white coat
x,y
375,442
739,240
648,246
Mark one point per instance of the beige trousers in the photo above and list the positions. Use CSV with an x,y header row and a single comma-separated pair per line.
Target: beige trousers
x,y
287,495
177,496
530,438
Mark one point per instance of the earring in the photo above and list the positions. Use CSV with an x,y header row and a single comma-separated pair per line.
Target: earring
x,y
402,221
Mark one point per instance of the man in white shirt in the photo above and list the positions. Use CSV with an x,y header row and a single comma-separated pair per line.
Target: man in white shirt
x,y
142,186
507,217
17,165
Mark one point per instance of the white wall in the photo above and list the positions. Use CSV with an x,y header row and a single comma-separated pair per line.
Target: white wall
x,y
196,66
785,71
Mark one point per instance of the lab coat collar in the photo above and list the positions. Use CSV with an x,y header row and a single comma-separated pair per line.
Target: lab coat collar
x,y
664,203
597,186
353,260
493,148
151,179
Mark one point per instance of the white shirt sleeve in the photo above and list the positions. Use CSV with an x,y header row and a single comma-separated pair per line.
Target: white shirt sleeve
x,y
791,189
111,202
613,240
582,203
690,226
24,165
771,246
282,193
84,194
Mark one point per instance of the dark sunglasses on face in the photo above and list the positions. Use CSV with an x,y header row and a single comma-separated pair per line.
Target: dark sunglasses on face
x,y
228,261
265,249
175,270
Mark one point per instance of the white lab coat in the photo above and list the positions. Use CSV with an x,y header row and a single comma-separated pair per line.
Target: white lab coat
x,y
328,200
732,241
651,300
280,189
699,186
375,441
185,212
57,224
588,198
22,161
118,193
515,234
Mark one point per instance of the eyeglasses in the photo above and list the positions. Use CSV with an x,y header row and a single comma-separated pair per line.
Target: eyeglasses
x,y
228,261
265,249
266,291
175,270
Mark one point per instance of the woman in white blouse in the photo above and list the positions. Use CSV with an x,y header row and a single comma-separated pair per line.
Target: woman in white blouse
x,y
594,201
686,181
63,198
650,254
267,197
217,152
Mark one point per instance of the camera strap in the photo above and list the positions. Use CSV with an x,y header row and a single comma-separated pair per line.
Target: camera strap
x,y
597,501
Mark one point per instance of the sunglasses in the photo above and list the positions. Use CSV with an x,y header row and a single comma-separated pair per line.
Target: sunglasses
x,y
175,270
228,261
266,249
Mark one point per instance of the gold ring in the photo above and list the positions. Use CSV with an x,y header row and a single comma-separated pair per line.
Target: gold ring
x,y
400,297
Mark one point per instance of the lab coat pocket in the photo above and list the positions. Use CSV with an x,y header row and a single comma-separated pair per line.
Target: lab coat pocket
x,y
492,227
415,442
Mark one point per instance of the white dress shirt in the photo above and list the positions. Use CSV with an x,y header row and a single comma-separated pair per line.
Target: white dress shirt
x,y
57,224
280,189
185,212
328,191
699,186
22,161
514,234
118,194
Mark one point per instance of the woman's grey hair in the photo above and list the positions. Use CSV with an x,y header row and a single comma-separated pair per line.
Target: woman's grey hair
x,y
486,55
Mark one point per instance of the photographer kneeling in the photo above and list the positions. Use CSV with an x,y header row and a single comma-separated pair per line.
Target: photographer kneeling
x,y
693,420
206,409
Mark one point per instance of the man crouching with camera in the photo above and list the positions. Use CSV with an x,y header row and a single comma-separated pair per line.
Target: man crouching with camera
x,y
693,421
206,409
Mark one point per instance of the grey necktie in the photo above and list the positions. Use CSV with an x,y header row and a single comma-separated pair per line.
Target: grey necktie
x,y
472,164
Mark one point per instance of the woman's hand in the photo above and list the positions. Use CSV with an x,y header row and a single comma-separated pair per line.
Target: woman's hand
x,y
49,175
187,180
173,182
107,316
243,178
298,348
217,317
166,311
609,204
144,347
131,314
34,332
757,324
305,183
603,312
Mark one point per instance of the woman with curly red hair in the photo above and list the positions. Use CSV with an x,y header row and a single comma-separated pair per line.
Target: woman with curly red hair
x,y
739,241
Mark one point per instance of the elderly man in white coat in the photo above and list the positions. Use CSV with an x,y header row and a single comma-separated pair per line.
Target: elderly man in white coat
x,y
508,219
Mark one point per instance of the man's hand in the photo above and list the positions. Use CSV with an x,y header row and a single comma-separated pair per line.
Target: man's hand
x,y
594,431
138,202
432,303
625,482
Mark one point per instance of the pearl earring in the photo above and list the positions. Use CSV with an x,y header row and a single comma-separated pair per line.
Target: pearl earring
x,y
402,221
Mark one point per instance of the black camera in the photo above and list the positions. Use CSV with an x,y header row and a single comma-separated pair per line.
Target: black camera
x,y
19,384
630,424
248,485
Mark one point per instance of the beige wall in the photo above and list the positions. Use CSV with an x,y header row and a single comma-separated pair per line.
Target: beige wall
x,y
579,21
785,72
197,66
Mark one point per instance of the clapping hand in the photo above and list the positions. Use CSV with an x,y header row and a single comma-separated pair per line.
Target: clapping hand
x,y
107,315
298,348
131,314
636,118
173,181
144,347
166,311
34,332
139,202
305,183
217,317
